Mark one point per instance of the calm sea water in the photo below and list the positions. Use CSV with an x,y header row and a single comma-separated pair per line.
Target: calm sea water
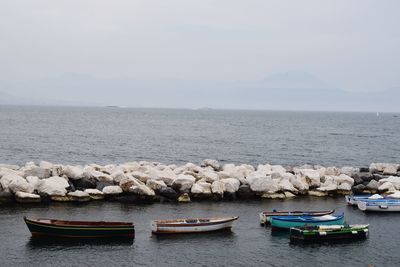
x,y
115,135
109,135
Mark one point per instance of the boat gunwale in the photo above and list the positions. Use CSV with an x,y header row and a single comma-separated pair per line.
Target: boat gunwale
x,y
287,219
181,222
79,224
293,213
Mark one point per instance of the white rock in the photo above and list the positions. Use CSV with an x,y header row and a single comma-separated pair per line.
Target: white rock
x,y
211,163
37,171
278,168
264,184
112,190
53,186
317,193
231,185
395,180
10,166
167,176
117,176
332,171
289,194
286,185
45,165
381,167
73,172
99,176
344,187
329,184
155,185
387,186
91,191
343,178
143,177
218,188
129,181
312,176
395,194
223,175
183,182
273,195
390,170
201,188
142,190
299,182
34,181
209,177
78,194
14,183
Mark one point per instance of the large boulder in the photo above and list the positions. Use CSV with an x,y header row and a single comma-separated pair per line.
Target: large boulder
x,y
95,194
168,193
129,181
22,197
112,190
372,185
99,176
264,185
183,183
53,186
312,177
14,183
231,185
73,172
201,188
79,196
386,186
167,175
395,180
155,185
349,171
38,172
299,182
117,176
286,185
386,168
141,190
84,183
209,177
33,180
211,163
218,188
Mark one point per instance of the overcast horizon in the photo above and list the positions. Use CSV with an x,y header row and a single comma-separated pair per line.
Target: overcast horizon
x,y
288,55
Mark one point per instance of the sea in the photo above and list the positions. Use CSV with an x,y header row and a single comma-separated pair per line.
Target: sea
x,y
105,135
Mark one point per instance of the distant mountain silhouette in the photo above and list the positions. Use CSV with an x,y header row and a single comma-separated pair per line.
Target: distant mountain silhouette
x,y
285,91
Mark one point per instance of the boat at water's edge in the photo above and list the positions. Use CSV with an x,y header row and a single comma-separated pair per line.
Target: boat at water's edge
x,y
265,217
287,222
380,205
79,229
192,225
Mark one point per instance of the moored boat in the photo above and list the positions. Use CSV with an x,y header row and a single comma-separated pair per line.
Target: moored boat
x,y
192,225
80,229
265,217
287,222
323,233
353,199
387,205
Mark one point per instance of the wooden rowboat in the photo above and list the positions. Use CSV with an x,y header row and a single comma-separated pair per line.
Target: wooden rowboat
x,y
80,229
193,225
323,233
287,222
265,217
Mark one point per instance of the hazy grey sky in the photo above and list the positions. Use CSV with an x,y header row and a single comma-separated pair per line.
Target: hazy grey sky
x,y
352,45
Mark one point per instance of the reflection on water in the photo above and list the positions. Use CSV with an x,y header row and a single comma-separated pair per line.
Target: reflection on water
x,y
51,242
209,236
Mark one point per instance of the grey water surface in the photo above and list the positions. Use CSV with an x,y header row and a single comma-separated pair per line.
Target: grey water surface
x,y
116,135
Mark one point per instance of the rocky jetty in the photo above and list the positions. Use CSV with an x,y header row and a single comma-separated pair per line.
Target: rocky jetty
x,y
154,181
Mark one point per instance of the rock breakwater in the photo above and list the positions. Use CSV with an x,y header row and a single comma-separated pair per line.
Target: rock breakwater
x,y
153,181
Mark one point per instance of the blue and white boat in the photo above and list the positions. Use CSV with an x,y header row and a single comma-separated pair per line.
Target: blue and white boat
x,y
353,199
383,205
287,222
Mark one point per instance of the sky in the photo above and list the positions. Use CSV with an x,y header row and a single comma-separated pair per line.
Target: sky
x,y
185,53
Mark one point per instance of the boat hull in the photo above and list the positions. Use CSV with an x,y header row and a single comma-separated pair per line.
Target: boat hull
x,y
160,228
340,235
39,229
379,206
265,217
282,223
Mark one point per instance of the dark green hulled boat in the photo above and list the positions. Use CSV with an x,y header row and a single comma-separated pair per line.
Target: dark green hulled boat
x,y
329,233
80,229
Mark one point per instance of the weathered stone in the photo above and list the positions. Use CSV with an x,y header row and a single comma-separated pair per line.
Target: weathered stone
x,y
184,198
286,185
264,184
6,197
395,180
53,186
168,193
10,166
73,172
377,176
142,190
312,177
218,188
372,185
273,195
59,198
386,186
201,188
79,196
211,163
155,185
317,193
358,188
99,176
183,183
14,183
112,190
100,185
38,171
22,197
231,185
33,180
95,194
289,194
84,183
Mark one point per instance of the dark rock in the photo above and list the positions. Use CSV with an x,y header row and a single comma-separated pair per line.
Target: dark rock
x,y
132,198
364,169
357,179
168,193
84,183
245,192
102,184
372,185
377,176
365,176
71,187
230,196
358,188
6,197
